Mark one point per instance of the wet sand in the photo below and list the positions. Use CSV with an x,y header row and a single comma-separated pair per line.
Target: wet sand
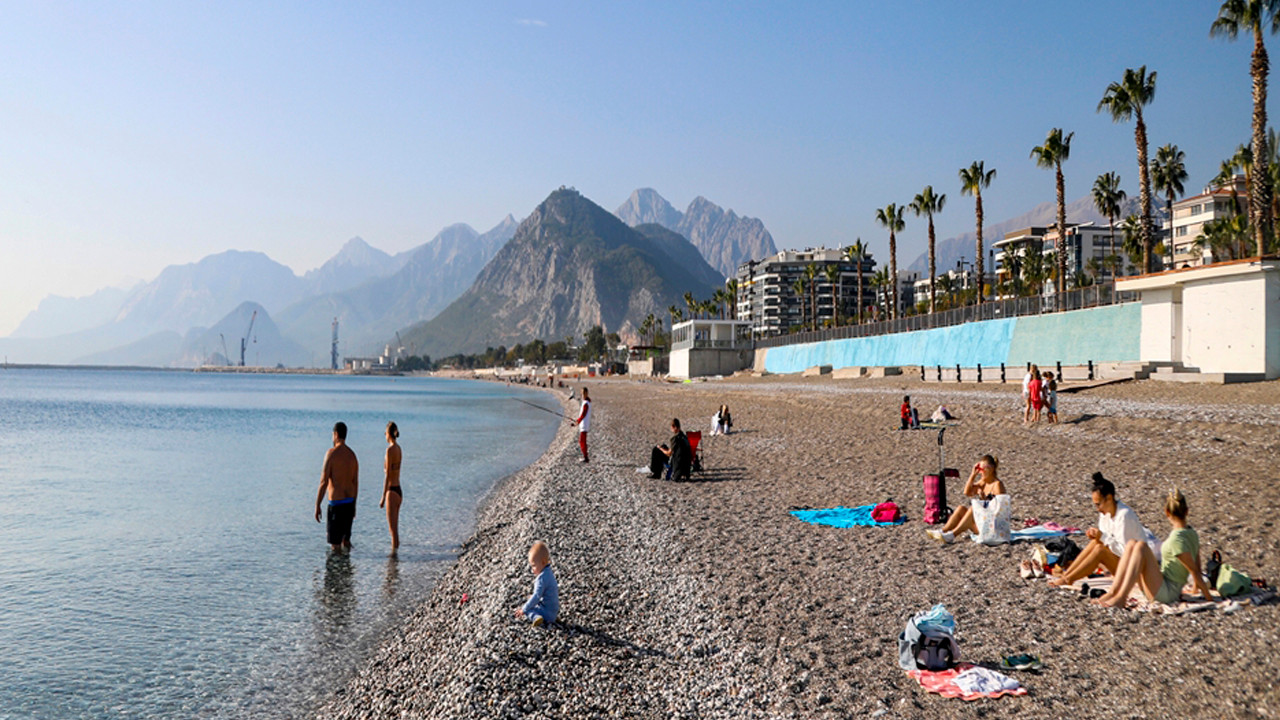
x,y
707,599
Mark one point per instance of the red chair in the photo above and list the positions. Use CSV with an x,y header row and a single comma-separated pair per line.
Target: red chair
x,y
695,438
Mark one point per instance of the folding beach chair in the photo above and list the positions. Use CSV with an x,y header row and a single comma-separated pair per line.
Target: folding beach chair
x,y
695,439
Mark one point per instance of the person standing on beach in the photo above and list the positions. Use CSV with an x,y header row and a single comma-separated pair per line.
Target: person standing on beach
x,y
341,476
584,423
1032,372
392,496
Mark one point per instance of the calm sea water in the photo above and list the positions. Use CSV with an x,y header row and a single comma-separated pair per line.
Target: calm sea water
x,y
159,556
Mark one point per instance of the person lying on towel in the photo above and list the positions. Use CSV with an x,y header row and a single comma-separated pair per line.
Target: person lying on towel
x,y
1161,578
981,485
1117,525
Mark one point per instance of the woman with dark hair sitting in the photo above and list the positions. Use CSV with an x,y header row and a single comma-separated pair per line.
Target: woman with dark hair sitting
x,y
1117,525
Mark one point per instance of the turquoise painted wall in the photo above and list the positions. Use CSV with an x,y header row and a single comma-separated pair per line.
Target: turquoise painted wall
x,y
1104,334
1107,334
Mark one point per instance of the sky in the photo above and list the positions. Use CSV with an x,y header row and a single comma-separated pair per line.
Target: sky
x,y
143,134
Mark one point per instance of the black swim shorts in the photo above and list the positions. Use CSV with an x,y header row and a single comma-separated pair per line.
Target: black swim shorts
x,y
340,519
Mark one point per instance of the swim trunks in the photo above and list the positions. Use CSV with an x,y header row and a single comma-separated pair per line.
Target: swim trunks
x,y
341,515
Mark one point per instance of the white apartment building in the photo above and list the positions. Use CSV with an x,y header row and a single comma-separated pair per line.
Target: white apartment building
x,y
767,298
1085,241
1190,214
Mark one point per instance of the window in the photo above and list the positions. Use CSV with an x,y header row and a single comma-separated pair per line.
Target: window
x,y
1182,231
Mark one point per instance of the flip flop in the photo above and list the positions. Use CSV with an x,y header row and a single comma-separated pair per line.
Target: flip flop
x,y
1021,662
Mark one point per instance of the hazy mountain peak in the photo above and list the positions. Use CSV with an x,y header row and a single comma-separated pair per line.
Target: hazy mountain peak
x,y
646,206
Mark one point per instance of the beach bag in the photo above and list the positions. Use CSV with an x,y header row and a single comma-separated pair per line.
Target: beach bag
x,y
1065,550
992,518
928,642
885,512
1225,579
936,511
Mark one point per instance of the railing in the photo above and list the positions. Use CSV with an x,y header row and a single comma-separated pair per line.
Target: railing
x,y
1092,296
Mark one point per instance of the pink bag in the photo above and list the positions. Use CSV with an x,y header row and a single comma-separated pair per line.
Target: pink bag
x,y
885,512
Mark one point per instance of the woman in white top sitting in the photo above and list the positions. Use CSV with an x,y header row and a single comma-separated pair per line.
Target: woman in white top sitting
x,y
721,422
982,485
1117,525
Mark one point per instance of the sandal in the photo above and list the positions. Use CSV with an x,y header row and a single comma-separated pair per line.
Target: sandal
x,y
1021,662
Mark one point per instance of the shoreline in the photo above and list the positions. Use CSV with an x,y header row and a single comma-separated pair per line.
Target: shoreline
x,y
706,599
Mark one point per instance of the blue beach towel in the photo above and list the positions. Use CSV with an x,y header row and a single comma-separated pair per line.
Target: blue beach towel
x,y
843,517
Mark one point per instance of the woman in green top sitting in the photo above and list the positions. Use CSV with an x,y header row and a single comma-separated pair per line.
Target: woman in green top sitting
x,y
1161,579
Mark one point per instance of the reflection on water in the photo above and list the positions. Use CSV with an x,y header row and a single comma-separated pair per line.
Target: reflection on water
x,y
392,581
336,600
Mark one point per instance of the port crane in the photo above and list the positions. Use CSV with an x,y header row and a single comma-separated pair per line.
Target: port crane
x,y
244,341
226,356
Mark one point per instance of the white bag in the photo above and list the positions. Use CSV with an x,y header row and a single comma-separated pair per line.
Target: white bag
x,y
992,518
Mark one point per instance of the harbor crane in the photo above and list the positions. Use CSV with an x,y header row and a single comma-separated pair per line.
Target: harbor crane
x,y
244,341
226,356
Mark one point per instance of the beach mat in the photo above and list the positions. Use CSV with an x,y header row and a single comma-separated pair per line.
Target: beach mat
x,y
943,682
844,517
1037,533
1190,602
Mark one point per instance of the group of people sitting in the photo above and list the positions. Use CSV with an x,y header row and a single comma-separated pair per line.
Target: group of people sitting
x,y
1120,543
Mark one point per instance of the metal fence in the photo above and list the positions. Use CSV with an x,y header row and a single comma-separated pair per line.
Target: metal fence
x,y
1092,296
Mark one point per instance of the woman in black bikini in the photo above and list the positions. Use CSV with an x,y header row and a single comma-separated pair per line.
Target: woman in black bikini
x,y
391,494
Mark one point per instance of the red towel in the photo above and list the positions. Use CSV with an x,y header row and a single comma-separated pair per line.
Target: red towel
x,y
941,682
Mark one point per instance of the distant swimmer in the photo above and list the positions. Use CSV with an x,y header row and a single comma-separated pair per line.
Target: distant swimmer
x,y
341,475
391,493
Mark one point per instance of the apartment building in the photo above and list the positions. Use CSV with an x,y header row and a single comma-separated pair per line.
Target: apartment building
x,y
768,300
1191,214
1085,242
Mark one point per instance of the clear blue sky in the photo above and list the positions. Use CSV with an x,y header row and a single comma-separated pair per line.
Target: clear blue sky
x,y
137,135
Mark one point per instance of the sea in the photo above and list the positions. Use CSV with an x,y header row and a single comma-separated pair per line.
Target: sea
x,y
159,553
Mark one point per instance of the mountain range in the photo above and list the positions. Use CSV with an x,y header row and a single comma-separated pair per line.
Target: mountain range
x,y
571,265
724,239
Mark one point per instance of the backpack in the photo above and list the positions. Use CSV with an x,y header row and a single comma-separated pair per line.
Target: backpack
x,y
926,646
1225,579
885,512
1066,550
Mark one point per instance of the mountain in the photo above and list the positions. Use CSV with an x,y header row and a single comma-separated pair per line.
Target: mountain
x,y
157,350
571,265
724,239
56,315
355,264
1081,211
201,293
265,346
647,206
432,276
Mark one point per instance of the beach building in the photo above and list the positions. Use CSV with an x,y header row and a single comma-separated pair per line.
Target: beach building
x,y
1190,215
710,347
767,299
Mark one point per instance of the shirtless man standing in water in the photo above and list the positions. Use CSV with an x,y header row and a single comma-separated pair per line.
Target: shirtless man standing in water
x,y
341,476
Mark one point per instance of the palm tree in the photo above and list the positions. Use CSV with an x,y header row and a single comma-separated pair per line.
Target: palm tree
x,y
798,288
891,217
831,271
692,305
1107,198
857,253
731,290
719,297
1055,151
880,282
947,286
927,203
972,180
1035,268
1252,16
1133,246
1124,100
811,276
1168,172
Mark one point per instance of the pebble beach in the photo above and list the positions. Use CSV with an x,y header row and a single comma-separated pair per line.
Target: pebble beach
x,y
707,599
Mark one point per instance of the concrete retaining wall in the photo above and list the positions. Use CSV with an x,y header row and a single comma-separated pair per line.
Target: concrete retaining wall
x,y
1106,334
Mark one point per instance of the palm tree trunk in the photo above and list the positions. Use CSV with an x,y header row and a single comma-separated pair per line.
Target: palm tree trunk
x,y
1260,198
893,275
933,271
1062,232
1144,192
978,194
859,264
